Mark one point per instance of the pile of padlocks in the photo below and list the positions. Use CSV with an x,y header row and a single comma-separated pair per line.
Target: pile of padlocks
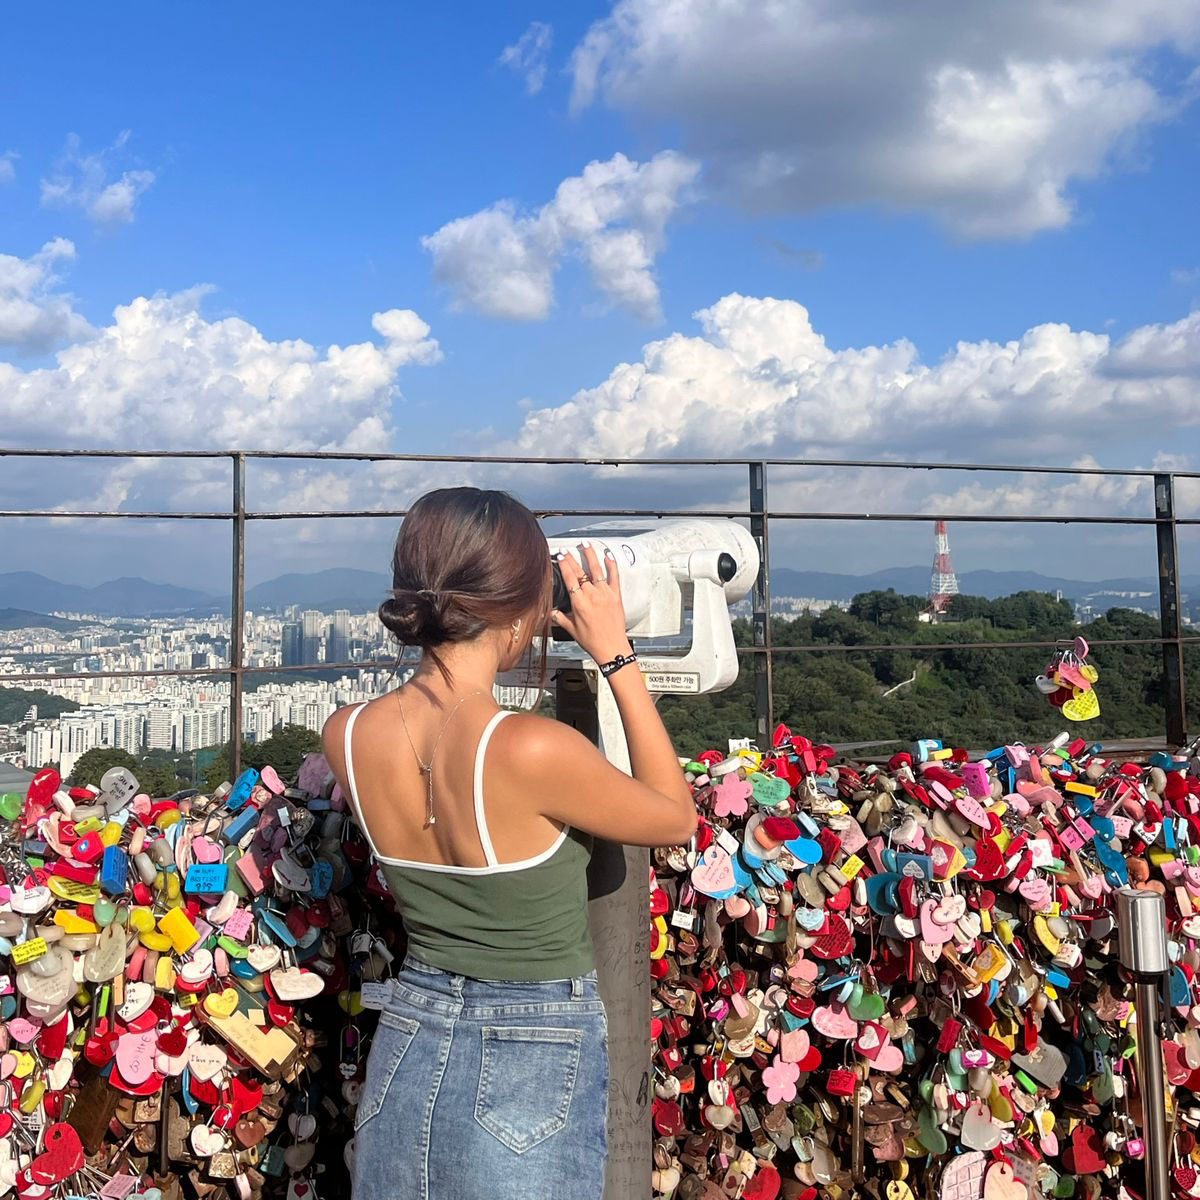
x,y
171,974
903,979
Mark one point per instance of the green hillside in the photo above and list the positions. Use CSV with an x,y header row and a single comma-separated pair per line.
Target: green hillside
x,y
971,697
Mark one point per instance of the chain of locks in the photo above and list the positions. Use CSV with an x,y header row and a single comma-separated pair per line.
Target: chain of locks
x,y
902,980
172,974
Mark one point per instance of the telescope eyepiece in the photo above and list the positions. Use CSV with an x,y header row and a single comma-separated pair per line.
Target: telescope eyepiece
x,y
726,567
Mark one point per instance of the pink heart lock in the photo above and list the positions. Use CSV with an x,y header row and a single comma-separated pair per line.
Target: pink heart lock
x,y
803,969
890,1058
932,932
834,1021
24,1030
205,850
970,809
713,873
794,1045
1036,892
737,907
135,1056
271,781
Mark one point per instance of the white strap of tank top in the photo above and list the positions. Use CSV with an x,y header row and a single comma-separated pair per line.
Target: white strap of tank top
x,y
485,838
358,813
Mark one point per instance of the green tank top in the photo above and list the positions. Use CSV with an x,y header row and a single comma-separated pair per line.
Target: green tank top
x,y
523,920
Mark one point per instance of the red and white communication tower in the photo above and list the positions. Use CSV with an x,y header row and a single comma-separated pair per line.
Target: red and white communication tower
x,y
944,582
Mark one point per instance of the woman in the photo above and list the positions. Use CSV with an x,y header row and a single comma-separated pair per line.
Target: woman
x,y
488,1075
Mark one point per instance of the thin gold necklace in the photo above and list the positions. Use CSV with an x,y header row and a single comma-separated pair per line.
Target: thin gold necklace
x,y
427,767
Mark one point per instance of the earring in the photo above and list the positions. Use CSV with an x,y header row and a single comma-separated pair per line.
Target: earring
x,y
516,628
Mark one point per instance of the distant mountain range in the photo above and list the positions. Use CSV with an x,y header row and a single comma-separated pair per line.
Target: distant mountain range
x,y
362,591
914,581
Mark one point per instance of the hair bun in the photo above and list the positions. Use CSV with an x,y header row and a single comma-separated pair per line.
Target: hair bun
x,y
416,617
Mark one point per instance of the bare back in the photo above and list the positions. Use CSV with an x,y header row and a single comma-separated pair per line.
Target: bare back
x,y
392,790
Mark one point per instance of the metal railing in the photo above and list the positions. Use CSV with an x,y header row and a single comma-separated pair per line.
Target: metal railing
x,y
758,512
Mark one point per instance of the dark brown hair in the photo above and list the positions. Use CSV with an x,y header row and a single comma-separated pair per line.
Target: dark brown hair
x,y
467,560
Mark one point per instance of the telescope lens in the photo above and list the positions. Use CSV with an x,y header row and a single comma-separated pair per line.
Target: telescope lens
x,y
562,598
726,567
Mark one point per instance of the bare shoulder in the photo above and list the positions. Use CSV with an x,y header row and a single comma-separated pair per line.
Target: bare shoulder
x,y
537,743
333,733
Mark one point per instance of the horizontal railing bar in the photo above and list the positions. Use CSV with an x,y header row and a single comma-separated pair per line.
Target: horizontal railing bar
x,y
540,513
202,672
99,514
596,461
883,646
967,518
545,513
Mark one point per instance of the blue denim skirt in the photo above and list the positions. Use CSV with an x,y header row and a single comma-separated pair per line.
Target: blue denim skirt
x,y
480,1089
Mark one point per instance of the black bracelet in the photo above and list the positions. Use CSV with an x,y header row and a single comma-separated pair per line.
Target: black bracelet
x,y
622,660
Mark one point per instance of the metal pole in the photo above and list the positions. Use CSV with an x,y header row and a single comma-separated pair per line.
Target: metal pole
x,y
1150,1082
618,921
1169,608
237,614
763,666
1142,939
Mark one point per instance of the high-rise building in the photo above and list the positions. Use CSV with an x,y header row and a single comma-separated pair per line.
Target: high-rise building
x,y
339,637
292,645
312,627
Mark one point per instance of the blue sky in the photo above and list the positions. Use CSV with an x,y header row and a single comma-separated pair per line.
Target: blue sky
x,y
942,184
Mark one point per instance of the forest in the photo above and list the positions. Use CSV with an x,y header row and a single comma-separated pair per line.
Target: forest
x,y
977,698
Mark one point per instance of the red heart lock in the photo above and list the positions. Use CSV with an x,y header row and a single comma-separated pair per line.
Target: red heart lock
x,y
660,903
668,1118
656,1028
100,1047
6,1124
173,1041
224,1117
43,786
204,1090
989,861
840,901
704,836
672,1057
812,1060
1086,1152
659,967
833,940
53,1039
61,1157
246,1095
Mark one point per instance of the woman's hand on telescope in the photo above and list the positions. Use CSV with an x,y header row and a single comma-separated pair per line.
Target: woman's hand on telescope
x,y
597,617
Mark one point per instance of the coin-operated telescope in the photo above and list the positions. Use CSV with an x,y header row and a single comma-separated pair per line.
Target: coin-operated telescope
x,y
670,571
678,578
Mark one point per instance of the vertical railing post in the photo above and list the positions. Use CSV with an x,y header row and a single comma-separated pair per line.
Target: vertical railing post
x,y
1169,608
759,529
237,614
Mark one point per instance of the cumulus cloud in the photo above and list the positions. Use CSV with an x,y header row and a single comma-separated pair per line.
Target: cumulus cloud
x,y
612,216
527,56
983,114
33,315
162,376
767,381
8,172
90,182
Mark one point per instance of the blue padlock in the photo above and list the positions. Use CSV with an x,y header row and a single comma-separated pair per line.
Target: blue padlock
x,y
242,788
114,871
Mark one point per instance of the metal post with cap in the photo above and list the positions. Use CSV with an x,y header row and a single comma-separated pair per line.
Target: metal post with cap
x,y
1142,939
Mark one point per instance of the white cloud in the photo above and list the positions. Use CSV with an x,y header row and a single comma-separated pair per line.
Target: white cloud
x,y
7,171
527,55
33,316
762,379
86,181
983,114
162,376
613,216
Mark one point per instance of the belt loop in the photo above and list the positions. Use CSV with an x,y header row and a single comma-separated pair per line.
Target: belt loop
x,y
576,987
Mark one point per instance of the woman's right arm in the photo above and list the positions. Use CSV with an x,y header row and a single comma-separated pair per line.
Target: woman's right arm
x,y
579,785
